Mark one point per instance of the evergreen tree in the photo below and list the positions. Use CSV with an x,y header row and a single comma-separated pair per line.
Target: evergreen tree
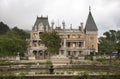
x,y
110,42
3,28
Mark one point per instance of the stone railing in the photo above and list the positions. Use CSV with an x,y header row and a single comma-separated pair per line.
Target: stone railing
x,y
8,58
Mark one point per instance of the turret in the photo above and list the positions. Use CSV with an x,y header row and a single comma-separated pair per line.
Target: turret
x,y
63,24
52,25
81,26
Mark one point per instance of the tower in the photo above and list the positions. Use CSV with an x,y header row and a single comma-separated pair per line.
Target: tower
x,y
37,50
91,31
63,23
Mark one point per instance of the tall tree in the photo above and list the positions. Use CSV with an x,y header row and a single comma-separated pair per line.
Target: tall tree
x,y
12,45
13,41
21,33
52,41
110,41
3,28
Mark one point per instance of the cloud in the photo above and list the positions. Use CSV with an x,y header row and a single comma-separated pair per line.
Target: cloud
x,y
23,13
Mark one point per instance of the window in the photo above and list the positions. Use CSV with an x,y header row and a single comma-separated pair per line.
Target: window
x,y
91,39
34,52
68,52
40,53
35,45
34,35
68,36
39,43
73,36
80,53
62,43
62,52
79,36
92,46
80,44
74,44
68,44
74,52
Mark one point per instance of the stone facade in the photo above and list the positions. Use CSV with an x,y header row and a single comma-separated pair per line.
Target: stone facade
x,y
75,42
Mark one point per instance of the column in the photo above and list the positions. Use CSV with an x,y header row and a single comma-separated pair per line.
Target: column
x,y
64,42
84,44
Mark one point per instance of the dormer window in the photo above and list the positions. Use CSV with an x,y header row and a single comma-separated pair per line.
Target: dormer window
x,y
91,39
40,26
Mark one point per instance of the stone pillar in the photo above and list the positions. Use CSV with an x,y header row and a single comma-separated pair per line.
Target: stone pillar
x,y
64,42
52,25
84,44
65,53
59,52
77,44
18,57
81,26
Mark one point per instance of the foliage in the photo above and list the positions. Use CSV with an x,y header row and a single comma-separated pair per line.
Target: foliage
x,y
48,62
109,42
13,41
51,40
12,45
3,28
106,46
21,33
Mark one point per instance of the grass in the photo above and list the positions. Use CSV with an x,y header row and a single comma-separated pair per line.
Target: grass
x,y
5,63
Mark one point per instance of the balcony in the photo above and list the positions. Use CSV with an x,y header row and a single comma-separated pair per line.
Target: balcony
x,y
37,48
72,48
75,40
35,40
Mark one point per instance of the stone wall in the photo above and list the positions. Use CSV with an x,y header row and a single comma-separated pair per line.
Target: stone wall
x,y
10,58
103,67
62,77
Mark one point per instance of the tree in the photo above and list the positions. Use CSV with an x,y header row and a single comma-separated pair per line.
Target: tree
x,y
3,28
110,42
13,41
21,33
106,46
51,40
12,45
118,43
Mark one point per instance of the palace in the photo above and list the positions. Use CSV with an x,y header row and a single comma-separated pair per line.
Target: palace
x,y
75,42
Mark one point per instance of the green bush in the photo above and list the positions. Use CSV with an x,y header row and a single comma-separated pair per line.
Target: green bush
x,y
48,62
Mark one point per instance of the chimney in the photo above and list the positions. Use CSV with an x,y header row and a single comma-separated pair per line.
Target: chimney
x,y
81,26
52,24
71,26
63,23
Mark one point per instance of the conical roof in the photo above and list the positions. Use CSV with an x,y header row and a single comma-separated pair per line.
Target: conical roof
x,y
90,23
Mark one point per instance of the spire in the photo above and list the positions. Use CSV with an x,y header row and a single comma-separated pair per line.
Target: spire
x,y
52,24
63,23
90,23
89,8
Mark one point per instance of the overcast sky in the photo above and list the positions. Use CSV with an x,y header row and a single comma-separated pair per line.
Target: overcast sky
x,y
23,13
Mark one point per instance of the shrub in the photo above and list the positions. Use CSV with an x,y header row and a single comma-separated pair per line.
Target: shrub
x,y
48,62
